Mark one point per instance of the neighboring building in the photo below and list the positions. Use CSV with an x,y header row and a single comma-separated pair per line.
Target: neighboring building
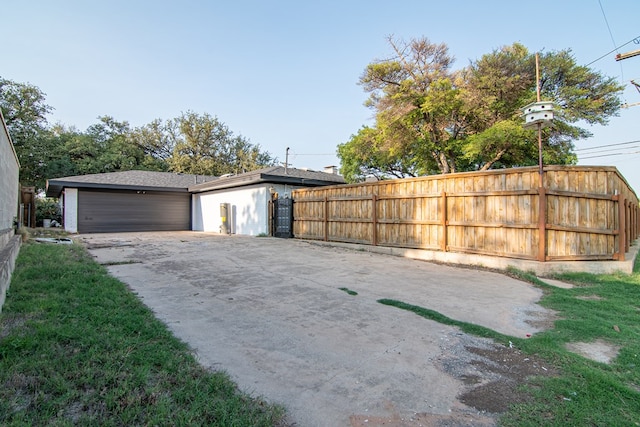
x,y
248,196
125,201
9,190
165,201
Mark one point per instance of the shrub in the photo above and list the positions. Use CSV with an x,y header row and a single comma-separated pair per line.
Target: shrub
x,y
47,208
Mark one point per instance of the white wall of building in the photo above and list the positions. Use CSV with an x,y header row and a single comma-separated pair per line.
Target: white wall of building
x,y
249,208
70,206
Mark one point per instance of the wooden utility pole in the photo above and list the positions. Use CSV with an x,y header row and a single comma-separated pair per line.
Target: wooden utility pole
x,y
540,114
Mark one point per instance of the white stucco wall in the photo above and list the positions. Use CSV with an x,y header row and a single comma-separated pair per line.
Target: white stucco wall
x,y
249,208
70,207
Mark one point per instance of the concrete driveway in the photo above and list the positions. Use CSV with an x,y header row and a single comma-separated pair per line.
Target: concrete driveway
x,y
270,313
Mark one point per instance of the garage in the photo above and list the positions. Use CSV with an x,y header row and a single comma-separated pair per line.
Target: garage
x,y
130,201
116,211
125,201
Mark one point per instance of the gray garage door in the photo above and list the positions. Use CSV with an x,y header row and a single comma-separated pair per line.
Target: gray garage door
x,y
113,211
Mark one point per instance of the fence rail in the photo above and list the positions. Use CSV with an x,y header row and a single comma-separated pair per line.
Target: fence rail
x,y
581,213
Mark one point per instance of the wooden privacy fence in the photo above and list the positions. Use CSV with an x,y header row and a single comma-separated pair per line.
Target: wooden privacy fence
x,y
580,213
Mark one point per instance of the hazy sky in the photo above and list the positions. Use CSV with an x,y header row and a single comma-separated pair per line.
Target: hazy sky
x,y
284,73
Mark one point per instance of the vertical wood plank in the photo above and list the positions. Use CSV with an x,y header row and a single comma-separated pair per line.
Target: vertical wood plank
x,y
374,219
542,224
443,224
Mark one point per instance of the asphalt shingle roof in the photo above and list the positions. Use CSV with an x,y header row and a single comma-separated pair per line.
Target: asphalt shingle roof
x,y
134,179
170,181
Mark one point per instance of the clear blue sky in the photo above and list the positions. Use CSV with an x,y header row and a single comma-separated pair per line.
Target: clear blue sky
x,y
284,73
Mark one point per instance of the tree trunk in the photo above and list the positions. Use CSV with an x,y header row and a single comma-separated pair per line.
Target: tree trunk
x,y
490,163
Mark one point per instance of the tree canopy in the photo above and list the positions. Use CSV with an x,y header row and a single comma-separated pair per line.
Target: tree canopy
x,y
191,143
433,119
24,109
200,144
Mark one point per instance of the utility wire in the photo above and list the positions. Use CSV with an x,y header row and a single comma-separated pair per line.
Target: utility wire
x,y
608,150
635,40
608,145
611,35
606,22
609,155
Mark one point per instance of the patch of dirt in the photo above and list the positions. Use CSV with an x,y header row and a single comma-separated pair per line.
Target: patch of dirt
x,y
11,322
598,350
557,283
590,298
492,375
502,371
543,321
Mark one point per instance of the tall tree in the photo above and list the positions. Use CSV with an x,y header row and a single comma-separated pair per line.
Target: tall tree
x,y
200,144
415,99
470,119
499,84
24,109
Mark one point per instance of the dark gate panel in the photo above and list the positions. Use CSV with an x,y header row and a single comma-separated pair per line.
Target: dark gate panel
x,y
115,211
283,218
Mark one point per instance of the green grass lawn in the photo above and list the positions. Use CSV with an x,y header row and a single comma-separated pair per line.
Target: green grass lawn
x,y
78,348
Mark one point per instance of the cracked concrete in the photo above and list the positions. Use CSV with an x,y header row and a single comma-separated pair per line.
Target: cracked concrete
x,y
270,313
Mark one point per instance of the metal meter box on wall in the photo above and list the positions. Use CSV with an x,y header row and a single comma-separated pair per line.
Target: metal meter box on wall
x,y
225,220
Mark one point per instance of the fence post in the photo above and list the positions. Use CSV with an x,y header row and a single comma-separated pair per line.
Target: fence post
x,y
627,224
621,228
326,219
635,221
374,219
542,224
443,217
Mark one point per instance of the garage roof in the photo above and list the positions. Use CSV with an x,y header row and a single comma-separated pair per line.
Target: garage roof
x,y
274,175
127,180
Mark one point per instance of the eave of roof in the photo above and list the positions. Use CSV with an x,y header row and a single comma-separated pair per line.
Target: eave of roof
x,y
126,180
263,177
164,181
54,187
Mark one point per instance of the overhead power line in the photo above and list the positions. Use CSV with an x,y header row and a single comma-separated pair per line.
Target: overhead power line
x,y
607,22
608,150
609,155
608,145
635,40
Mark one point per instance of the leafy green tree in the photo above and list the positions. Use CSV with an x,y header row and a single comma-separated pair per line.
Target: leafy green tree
x,y
369,155
24,109
430,119
106,146
498,84
200,144
191,143
157,139
415,100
